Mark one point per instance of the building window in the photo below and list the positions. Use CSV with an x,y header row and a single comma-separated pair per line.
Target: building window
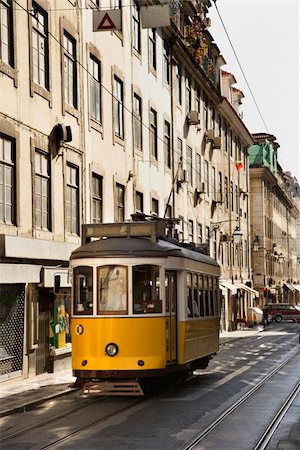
x,y
189,163
220,187
188,94
70,72
42,191
139,202
95,88
206,177
137,121
207,237
198,100
212,118
219,125
166,62
178,81
118,108
116,4
167,144
154,207
179,149
225,137
152,48
198,170
72,199
153,133
96,2
214,183
97,196
200,233
120,203
40,54
7,180
180,229
226,191
168,211
205,112
136,27
191,230
214,245
6,32
232,195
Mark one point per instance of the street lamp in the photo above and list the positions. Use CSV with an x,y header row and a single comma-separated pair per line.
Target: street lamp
x,y
280,258
256,244
237,236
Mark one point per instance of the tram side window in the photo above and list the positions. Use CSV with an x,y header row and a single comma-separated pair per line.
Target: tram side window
x,y
211,296
146,289
206,295
112,289
195,296
201,296
189,295
83,290
216,296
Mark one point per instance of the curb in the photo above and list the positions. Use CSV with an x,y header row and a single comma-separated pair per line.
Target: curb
x,y
27,405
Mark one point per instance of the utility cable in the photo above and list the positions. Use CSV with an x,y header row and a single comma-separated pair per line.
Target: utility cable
x,y
240,66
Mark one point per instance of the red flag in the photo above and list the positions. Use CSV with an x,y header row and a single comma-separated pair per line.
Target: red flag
x,y
239,165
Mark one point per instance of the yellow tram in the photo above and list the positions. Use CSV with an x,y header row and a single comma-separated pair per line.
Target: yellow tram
x,y
143,305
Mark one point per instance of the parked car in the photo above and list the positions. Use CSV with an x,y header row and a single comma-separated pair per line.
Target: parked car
x,y
255,316
283,311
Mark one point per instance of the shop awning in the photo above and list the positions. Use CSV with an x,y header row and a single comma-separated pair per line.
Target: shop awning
x,y
297,287
248,289
289,286
228,285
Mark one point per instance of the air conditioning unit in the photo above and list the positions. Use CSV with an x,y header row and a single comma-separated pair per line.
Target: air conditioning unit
x,y
217,142
219,197
210,135
63,132
197,195
193,118
201,188
207,22
226,238
182,178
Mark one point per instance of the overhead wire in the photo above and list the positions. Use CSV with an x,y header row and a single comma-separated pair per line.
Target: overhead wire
x,y
131,112
240,66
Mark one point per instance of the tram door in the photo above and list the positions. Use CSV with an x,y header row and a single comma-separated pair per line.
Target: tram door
x,y
171,322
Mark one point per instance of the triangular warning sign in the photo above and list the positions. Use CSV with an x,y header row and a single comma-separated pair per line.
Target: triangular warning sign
x,y
106,23
110,19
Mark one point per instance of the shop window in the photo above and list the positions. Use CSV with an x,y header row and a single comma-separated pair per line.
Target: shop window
x,y
60,313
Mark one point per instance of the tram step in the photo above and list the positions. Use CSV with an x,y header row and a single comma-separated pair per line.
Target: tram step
x,y
131,387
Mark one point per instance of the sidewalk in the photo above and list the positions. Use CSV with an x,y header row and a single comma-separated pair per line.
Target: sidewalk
x,y
18,395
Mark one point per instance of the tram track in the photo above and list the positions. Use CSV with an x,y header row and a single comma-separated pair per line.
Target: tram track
x,y
265,438
79,430
68,412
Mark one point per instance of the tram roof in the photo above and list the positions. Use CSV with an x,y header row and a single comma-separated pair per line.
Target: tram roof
x,y
138,247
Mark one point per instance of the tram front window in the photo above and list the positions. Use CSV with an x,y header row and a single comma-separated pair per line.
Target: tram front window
x,y
146,290
83,290
112,290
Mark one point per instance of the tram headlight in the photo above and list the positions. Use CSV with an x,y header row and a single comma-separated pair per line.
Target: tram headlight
x,y
111,349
